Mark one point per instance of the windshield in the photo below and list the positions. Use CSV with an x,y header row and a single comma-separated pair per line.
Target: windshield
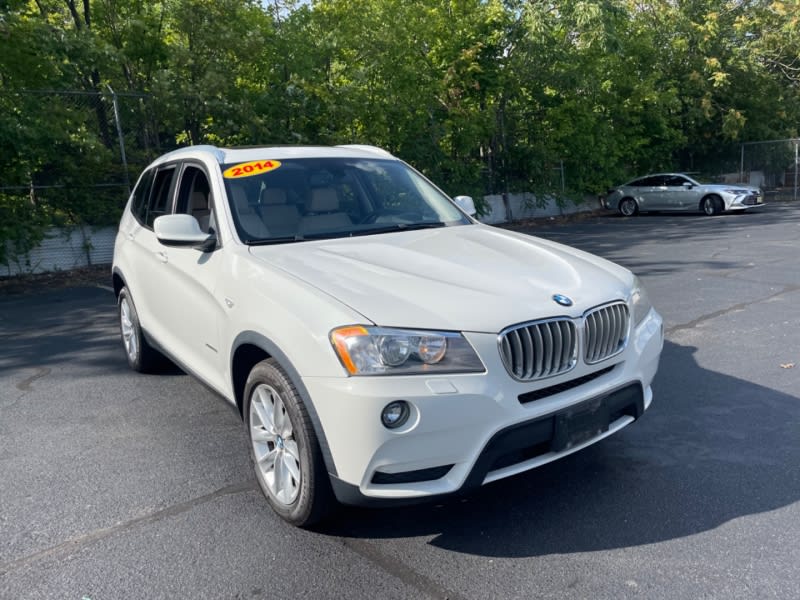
x,y
313,198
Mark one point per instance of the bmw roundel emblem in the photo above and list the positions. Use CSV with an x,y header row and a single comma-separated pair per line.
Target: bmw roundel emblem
x,y
562,299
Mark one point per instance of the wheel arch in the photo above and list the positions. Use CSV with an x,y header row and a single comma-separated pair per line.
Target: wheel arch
x,y
118,281
249,348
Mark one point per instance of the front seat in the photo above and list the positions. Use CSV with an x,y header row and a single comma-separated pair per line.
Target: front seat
x,y
249,220
324,213
281,218
200,209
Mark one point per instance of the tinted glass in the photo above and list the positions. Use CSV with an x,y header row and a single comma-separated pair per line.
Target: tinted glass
x,y
299,199
676,181
194,196
140,195
657,181
160,198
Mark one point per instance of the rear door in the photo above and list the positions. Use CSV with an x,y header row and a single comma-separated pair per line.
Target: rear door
x,y
147,278
651,192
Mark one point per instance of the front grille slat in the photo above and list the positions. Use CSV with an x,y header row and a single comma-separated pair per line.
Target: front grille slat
x,y
527,346
606,330
557,341
566,351
539,353
539,350
620,323
615,337
591,336
611,336
516,346
550,347
548,354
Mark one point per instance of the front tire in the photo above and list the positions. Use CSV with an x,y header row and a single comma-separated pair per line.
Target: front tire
x,y
284,447
711,205
142,357
628,207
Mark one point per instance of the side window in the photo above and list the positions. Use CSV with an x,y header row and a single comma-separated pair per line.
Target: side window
x,y
676,181
140,195
160,198
652,181
194,196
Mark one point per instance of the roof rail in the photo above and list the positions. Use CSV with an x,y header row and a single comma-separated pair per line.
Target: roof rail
x,y
367,148
218,153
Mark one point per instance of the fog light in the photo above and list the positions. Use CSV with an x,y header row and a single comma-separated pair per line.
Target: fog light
x,y
395,414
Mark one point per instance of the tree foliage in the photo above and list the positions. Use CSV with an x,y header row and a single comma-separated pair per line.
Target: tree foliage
x,y
485,96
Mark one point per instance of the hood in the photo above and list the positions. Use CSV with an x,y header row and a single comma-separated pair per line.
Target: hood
x,y
463,278
729,186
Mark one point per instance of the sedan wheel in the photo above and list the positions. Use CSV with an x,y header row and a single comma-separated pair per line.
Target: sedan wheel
x,y
284,448
711,206
628,207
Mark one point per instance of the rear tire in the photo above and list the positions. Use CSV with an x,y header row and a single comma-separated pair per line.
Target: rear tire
x,y
628,207
711,205
284,448
142,357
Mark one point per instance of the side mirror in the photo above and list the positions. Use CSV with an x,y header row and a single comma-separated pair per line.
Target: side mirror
x,y
183,230
688,185
466,204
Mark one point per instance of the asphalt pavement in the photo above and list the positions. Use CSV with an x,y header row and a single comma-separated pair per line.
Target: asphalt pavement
x,y
120,485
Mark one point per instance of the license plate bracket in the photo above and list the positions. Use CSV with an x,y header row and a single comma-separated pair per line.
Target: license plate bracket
x,y
580,423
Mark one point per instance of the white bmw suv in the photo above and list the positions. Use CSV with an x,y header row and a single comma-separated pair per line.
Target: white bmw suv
x,y
381,345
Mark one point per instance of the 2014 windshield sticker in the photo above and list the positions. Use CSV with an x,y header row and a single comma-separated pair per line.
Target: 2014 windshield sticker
x,y
255,167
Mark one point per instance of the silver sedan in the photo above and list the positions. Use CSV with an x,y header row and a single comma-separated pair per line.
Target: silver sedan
x,y
679,192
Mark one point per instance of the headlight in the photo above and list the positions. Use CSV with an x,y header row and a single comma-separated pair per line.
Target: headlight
x,y
641,302
737,192
384,351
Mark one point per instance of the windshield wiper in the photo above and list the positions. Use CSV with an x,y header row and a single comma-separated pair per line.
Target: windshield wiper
x,y
398,227
287,239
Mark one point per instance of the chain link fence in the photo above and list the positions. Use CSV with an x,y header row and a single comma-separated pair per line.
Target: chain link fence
x,y
774,166
67,159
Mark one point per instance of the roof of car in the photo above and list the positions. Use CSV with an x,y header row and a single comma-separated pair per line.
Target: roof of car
x,y
658,175
242,154
662,174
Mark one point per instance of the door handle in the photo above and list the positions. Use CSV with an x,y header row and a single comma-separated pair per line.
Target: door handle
x,y
162,256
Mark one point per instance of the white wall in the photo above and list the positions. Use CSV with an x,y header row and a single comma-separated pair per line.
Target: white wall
x,y
523,206
66,249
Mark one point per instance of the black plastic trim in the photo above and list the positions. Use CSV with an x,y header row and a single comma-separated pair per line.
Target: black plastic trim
x,y
430,474
257,339
562,387
517,443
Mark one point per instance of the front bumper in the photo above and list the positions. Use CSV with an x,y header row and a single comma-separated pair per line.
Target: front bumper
x,y
469,429
745,201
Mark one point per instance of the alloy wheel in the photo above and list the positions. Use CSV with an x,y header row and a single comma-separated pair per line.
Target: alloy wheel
x,y
275,449
128,330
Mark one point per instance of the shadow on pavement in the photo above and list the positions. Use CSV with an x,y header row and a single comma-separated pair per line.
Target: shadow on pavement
x,y
75,325
710,449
